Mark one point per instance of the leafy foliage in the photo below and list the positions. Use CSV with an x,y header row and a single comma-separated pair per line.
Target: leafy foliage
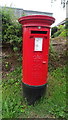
x,y
56,34
61,31
11,29
53,30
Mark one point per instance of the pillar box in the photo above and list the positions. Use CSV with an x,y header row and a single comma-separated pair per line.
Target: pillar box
x,y
36,35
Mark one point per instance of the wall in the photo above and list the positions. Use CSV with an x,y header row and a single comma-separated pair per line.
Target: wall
x,y
19,12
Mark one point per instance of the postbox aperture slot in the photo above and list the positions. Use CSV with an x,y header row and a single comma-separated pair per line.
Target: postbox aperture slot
x,y
38,32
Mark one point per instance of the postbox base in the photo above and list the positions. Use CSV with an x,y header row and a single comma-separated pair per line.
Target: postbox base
x,y
32,93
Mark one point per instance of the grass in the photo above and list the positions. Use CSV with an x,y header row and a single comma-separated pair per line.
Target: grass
x,y
52,105
11,94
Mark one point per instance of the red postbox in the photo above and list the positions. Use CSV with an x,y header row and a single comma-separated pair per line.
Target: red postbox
x,y
36,35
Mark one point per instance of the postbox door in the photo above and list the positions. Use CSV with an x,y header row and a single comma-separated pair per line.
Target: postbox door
x,y
35,62
40,60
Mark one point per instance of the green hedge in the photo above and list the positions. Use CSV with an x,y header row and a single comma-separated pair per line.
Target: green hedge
x,y
53,30
62,31
11,29
56,34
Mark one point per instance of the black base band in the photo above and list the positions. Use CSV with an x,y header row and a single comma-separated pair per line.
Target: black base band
x,y
32,93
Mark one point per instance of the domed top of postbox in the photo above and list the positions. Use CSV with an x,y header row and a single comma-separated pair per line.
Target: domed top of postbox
x,y
36,20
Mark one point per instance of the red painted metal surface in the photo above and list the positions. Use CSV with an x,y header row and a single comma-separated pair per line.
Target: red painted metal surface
x,y
35,62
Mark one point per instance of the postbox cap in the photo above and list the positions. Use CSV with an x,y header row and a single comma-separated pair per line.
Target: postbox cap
x,y
36,20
